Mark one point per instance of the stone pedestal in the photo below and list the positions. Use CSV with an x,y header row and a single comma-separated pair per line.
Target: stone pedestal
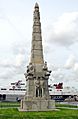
x,y
37,105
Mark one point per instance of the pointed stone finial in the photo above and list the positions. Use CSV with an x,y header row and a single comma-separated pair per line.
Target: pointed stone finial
x,y
37,48
36,5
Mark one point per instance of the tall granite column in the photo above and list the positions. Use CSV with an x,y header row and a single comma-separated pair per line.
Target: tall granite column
x,y
37,73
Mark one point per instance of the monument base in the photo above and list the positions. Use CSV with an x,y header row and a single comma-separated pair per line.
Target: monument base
x,y
37,105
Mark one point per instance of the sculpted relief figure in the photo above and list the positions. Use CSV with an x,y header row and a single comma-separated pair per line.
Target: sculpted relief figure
x,y
30,71
45,66
46,71
39,84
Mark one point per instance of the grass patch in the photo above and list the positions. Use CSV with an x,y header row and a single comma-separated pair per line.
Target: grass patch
x,y
13,113
17,104
9,104
66,105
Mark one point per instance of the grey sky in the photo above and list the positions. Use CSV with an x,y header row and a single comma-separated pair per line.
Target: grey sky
x,y
59,20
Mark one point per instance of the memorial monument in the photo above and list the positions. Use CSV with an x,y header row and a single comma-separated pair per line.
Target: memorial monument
x,y
37,74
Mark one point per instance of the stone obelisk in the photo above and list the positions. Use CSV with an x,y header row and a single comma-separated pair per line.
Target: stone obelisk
x,y
37,73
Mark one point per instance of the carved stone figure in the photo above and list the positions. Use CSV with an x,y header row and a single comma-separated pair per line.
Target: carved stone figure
x,y
45,66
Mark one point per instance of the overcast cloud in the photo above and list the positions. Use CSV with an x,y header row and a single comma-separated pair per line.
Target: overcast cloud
x,y
59,33
64,31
